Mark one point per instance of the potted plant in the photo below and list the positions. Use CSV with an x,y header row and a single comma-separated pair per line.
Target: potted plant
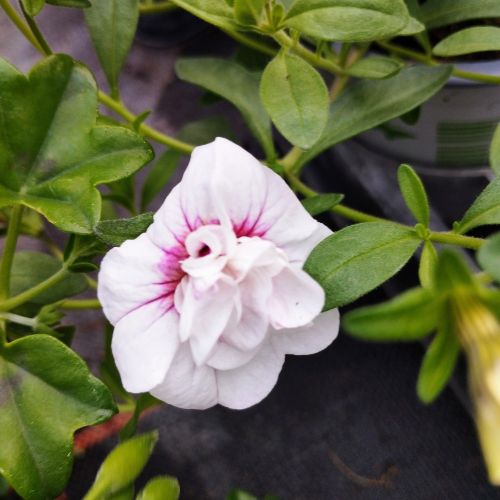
x,y
233,272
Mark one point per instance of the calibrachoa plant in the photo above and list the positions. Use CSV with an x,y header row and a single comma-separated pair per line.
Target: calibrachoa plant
x,y
207,296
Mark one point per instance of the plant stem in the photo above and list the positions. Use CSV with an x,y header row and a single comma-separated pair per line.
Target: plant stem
x,y
457,239
358,216
251,42
315,59
16,318
157,8
81,304
144,129
424,58
29,294
9,250
20,24
36,32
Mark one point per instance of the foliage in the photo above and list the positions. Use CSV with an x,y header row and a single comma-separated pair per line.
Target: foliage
x,y
313,73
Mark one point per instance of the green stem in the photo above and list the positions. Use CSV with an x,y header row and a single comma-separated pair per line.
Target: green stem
x,y
20,320
144,129
81,304
21,25
157,8
251,42
31,293
316,60
36,32
358,216
9,250
424,58
450,238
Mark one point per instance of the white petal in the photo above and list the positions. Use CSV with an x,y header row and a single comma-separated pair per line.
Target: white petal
x,y
187,385
251,383
298,251
308,339
144,344
296,299
227,357
224,183
205,316
131,275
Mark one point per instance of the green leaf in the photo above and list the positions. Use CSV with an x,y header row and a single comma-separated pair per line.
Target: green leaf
x,y
469,41
240,495
348,20
31,268
55,167
161,488
368,104
80,4
216,12
115,231
495,151
436,13
439,362
375,67
295,96
322,202
159,175
249,12
410,316
489,256
452,272
484,211
413,27
427,265
414,194
33,7
112,25
122,466
359,258
233,82
46,394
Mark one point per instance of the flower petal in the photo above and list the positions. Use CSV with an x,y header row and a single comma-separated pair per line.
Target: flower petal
x,y
144,344
187,385
205,316
308,339
242,191
296,299
298,251
130,276
251,383
227,357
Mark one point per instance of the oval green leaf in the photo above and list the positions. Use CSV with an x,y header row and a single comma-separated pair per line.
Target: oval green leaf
x,y
427,265
216,12
112,25
436,13
55,167
33,7
368,104
438,363
375,67
161,488
46,394
495,151
410,316
359,258
469,41
484,211
322,202
414,194
114,232
348,20
296,98
122,466
234,83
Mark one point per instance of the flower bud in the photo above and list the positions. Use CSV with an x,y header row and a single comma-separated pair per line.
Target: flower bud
x,y
479,332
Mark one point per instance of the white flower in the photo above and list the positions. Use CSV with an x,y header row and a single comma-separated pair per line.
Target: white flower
x,y
209,300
